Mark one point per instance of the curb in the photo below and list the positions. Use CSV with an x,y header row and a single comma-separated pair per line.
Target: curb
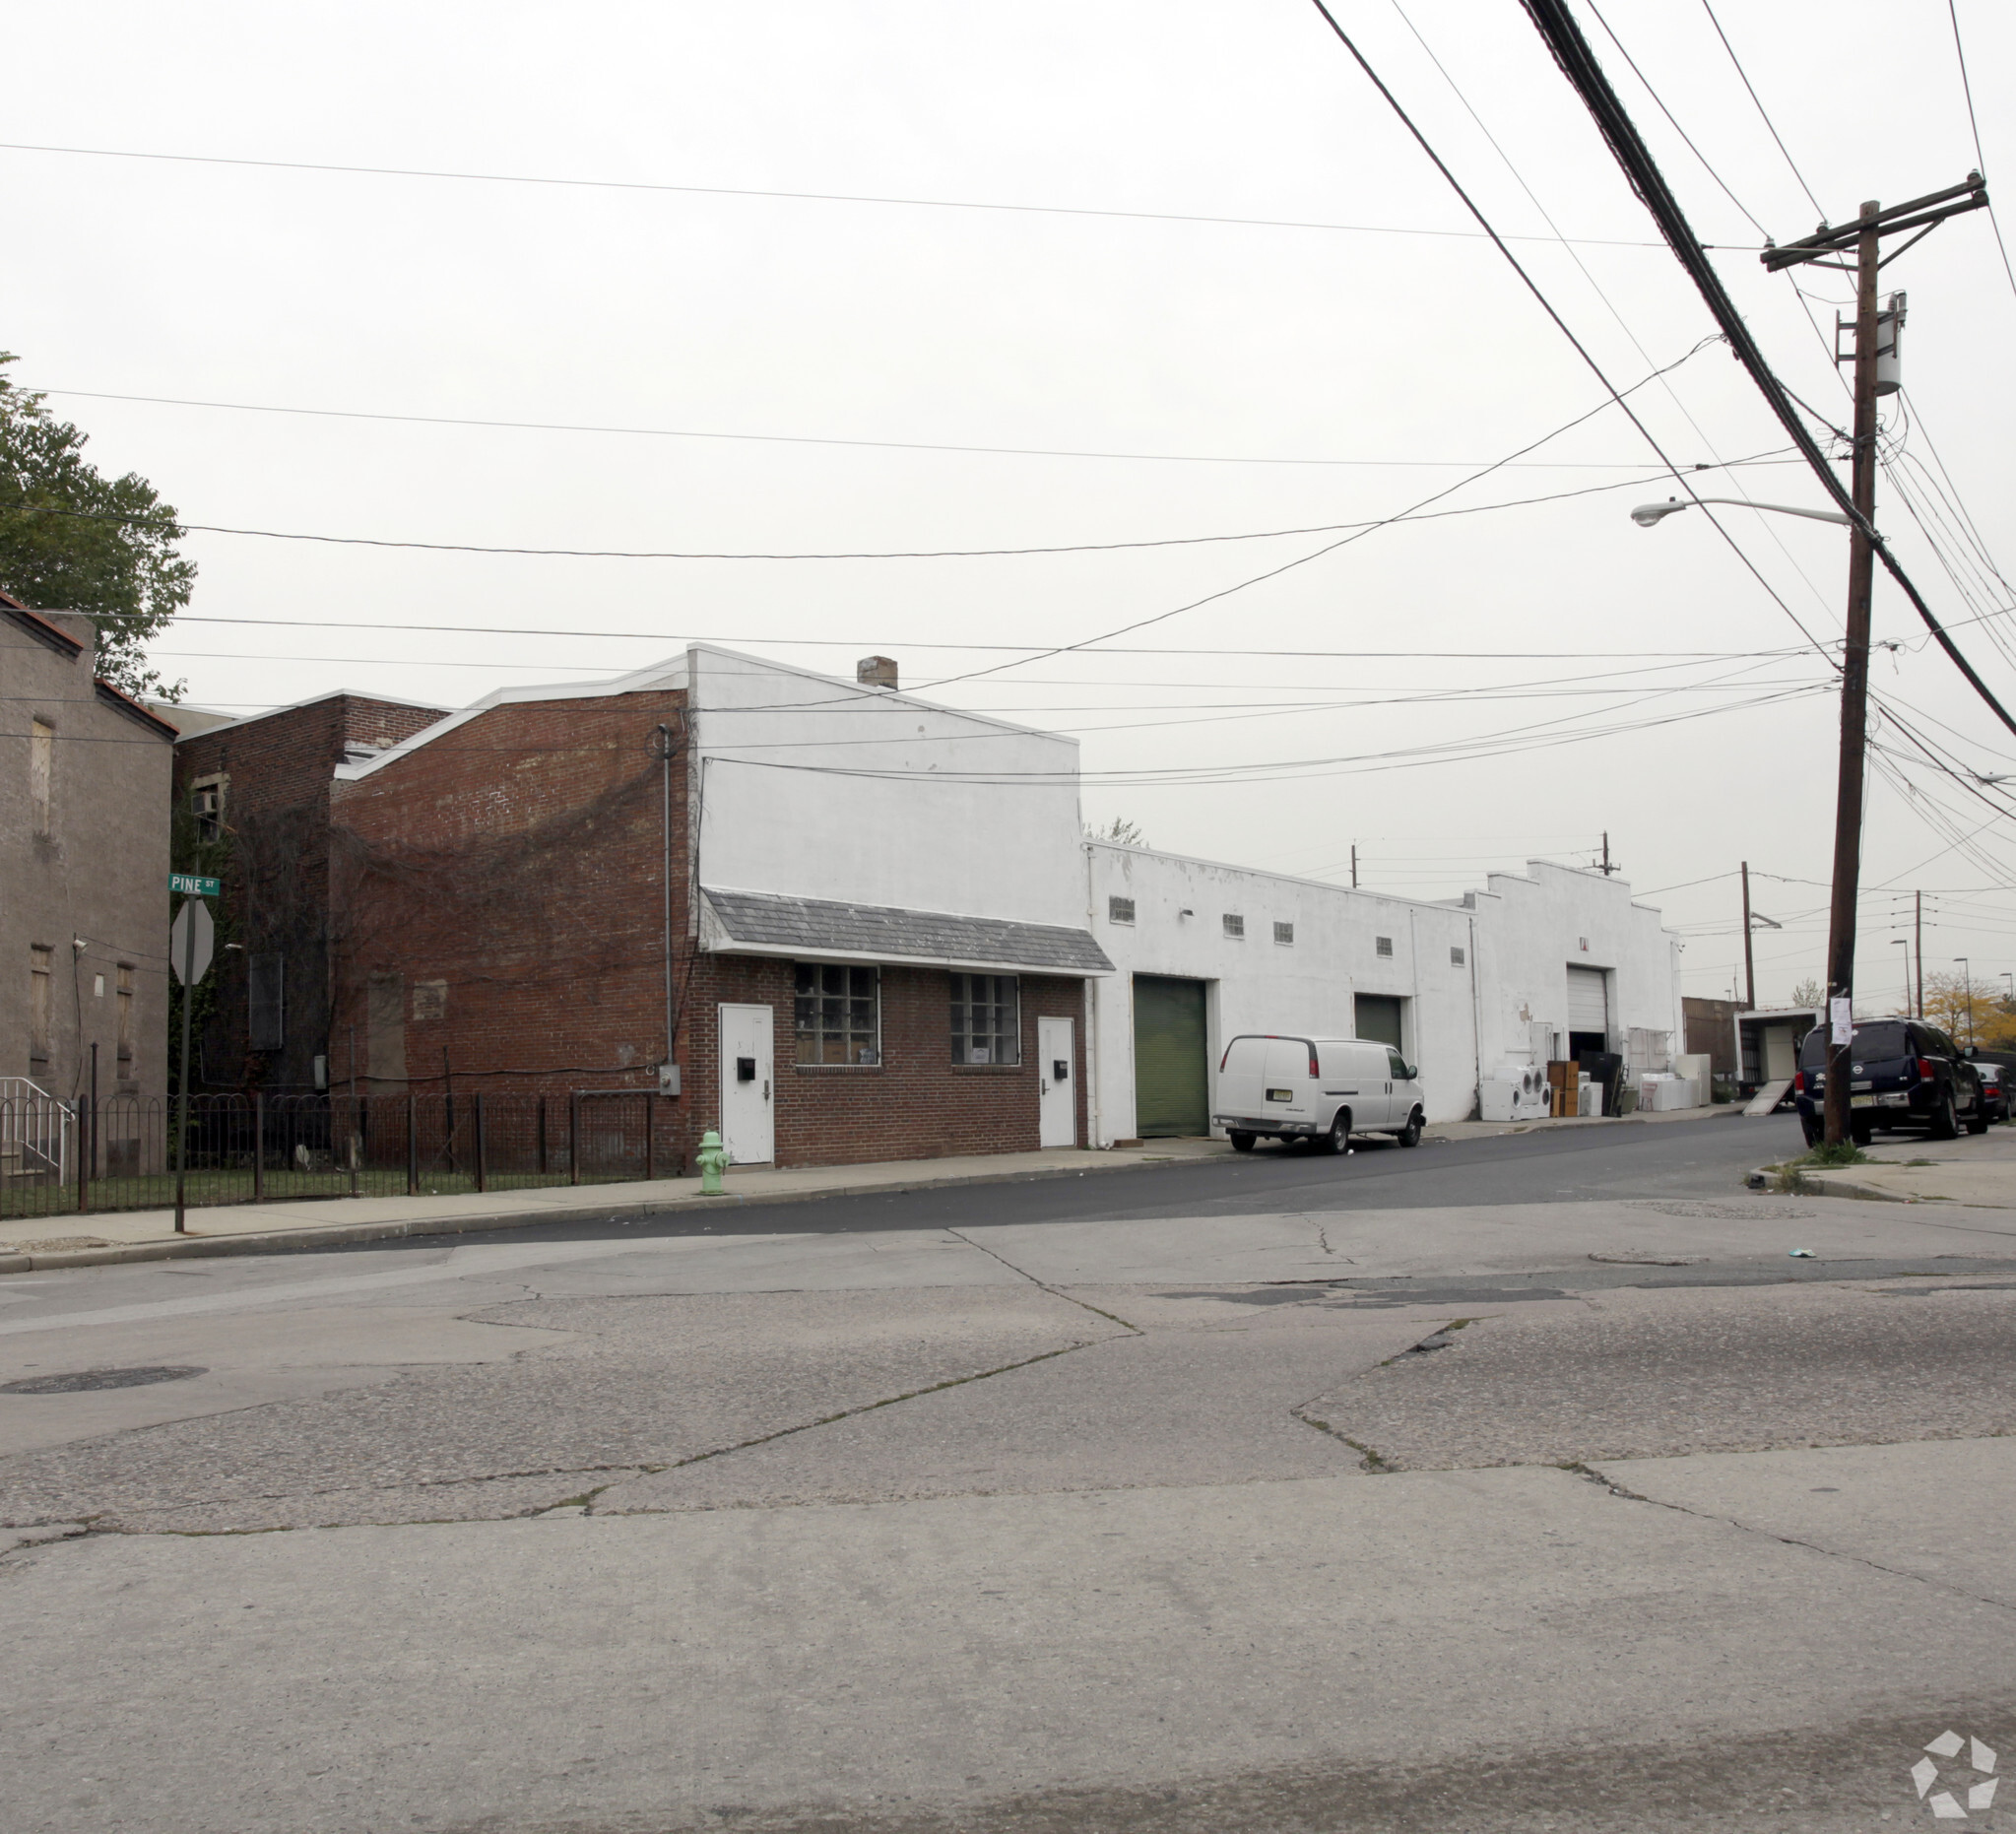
x,y
344,1235
1819,1184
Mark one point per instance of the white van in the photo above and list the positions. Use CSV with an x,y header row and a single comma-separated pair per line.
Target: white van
x,y
1322,1090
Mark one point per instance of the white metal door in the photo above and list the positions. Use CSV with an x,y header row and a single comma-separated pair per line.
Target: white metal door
x,y
1589,1000
1056,1102
748,1126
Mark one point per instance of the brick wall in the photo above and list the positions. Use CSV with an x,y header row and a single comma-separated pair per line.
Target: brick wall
x,y
276,869
915,1104
503,888
510,876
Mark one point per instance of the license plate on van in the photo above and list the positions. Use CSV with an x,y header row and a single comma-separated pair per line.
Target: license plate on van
x,y
1281,1095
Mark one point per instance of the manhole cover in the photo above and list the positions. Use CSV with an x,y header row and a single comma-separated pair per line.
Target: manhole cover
x,y
80,1380
1720,1213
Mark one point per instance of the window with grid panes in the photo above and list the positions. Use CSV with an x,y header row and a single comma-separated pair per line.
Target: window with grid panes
x,y
987,1025
837,1014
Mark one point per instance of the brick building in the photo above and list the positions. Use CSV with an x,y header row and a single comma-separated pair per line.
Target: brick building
x,y
845,923
252,807
84,777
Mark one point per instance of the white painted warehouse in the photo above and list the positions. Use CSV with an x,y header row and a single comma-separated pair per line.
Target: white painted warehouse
x,y
1536,966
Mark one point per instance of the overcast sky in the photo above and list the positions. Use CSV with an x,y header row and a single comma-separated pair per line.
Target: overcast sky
x,y
1451,695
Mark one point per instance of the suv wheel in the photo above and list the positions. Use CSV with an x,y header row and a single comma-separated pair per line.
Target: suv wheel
x,y
1945,1123
1978,1117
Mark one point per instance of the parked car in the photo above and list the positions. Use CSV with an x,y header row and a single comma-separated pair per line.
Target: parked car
x,y
1904,1074
1318,1091
1995,1088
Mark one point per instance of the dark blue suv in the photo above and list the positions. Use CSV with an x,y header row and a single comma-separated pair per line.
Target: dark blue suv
x,y
1903,1074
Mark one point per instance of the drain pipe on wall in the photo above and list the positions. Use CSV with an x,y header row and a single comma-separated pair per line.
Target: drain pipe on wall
x,y
665,753
1477,1026
1095,1130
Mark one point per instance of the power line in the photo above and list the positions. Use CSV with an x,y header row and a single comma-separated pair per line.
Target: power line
x,y
1547,306
1527,738
1031,650
1770,528
1646,81
1412,511
1762,112
176,528
797,197
796,439
1981,159
1571,50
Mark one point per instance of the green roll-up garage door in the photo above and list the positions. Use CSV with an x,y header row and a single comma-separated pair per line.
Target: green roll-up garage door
x,y
1379,1016
1171,1059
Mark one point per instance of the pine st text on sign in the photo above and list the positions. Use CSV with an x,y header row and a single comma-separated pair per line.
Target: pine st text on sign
x,y
192,886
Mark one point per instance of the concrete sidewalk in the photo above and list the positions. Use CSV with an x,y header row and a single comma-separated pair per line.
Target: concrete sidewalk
x,y
71,1240
1979,1170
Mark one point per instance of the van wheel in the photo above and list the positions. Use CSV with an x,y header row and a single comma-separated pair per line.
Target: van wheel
x,y
1340,1140
1410,1135
1241,1143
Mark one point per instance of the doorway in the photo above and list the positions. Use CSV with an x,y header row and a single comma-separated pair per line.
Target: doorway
x,y
1378,1017
1057,1099
748,1126
1171,1058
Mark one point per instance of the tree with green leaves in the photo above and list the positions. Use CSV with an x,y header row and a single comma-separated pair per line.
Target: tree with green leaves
x,y
73,539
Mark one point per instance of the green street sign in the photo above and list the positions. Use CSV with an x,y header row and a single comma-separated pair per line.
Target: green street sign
x,y
191,885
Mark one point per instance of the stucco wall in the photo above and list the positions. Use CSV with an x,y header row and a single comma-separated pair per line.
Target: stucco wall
x,y
811,786
1518,938
1258,985
1532,926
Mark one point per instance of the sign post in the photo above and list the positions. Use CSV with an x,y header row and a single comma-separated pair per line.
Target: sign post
x,y
192,939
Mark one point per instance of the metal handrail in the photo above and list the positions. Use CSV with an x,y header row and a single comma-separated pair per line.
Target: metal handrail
x,y
32,1121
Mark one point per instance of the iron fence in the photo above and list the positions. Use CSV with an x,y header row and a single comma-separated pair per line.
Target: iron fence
x,y
119,1152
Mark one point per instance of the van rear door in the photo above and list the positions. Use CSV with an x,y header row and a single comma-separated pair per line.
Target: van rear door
x,y
1242,1082
1290,1092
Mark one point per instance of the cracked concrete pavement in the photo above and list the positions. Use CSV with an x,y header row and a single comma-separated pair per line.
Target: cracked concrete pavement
x,y
1570,1516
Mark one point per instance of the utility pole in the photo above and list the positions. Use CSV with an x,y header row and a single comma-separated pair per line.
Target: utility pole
x,y
1355,866
1854,691
1750,962
1873,375
1606,868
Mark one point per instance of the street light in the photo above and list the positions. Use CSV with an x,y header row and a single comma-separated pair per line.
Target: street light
x,y
1651,515
1854,683
1968,967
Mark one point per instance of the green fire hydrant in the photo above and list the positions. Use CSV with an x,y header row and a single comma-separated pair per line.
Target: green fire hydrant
x,y
713,1161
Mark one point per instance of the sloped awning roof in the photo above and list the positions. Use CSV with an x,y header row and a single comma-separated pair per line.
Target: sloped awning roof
x,y
766,923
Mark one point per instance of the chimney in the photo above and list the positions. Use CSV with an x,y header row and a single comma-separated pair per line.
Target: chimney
x,y
876,672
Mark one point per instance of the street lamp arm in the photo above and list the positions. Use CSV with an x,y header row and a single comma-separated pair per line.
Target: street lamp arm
x,y
1648,515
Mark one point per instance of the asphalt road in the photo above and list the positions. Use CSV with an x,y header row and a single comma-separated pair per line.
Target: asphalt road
x,y
1678,1160
1522,1484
